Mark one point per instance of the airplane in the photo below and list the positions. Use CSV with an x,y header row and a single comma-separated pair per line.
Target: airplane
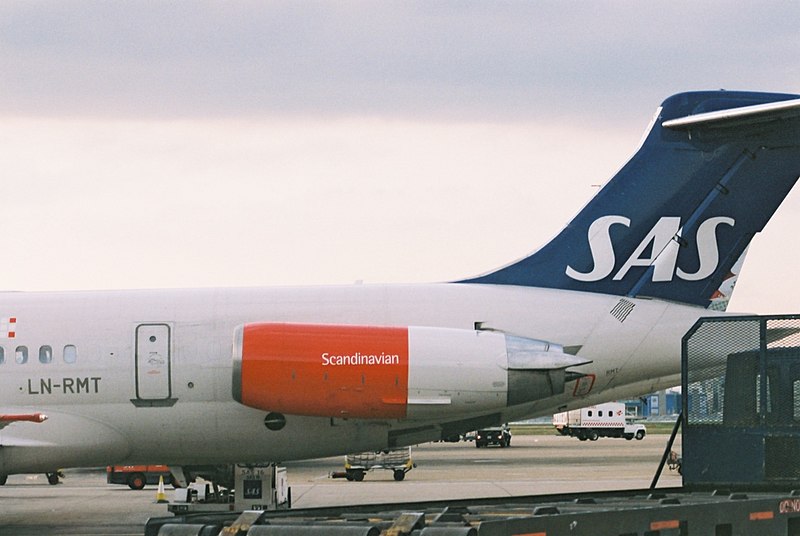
x,y
201,377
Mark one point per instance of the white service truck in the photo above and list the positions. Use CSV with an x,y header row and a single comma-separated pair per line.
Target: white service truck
x,y
604,420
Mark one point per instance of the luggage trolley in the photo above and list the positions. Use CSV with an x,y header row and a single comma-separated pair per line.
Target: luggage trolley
x,y
396,460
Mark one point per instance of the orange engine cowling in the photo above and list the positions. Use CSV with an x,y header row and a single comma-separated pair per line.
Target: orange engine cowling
x,y
375,372
322,370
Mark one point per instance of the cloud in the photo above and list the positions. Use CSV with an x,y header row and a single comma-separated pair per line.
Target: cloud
x,y
219,203
451,60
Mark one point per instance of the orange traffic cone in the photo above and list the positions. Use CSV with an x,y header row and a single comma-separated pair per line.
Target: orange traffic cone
x,y
161,496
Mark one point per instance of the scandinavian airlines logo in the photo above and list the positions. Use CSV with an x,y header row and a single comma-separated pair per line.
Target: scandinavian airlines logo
x,y
360,359
663,245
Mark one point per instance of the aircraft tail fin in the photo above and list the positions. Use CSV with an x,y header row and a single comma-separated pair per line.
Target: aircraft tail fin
x,y
674,223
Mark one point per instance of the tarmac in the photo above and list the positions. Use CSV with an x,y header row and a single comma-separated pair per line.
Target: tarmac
x,y
534,465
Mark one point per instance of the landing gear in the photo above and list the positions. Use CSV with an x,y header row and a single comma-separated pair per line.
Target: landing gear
x,y
52,478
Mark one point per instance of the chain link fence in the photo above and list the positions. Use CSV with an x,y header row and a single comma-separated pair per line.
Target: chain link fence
x,y
741,400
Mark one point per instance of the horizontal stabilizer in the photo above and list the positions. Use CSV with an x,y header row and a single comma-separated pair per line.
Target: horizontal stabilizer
x,y
738,117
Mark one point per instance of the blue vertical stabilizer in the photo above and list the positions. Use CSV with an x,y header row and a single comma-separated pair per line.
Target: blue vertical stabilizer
x,y
678,217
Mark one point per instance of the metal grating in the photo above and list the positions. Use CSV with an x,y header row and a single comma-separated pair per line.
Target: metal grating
x,y
741,400
727,356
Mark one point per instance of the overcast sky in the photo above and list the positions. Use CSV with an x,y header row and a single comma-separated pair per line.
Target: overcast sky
x,y
170,144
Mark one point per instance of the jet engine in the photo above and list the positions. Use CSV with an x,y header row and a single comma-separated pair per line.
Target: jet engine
x,y
374,372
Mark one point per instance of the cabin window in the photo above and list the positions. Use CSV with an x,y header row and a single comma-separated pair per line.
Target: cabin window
x,y
2,355
590,413
45,354
600,413
70,353
21,355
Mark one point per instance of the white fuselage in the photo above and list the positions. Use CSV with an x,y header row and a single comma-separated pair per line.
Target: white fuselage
x,y
99,405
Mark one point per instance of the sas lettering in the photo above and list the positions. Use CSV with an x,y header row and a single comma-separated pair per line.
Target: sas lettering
x,y
66,386
661,244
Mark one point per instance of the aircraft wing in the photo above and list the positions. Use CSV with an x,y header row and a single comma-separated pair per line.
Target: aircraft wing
x,y
775,335
6,419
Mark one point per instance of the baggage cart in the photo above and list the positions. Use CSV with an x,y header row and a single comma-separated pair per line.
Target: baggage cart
x,y
396,460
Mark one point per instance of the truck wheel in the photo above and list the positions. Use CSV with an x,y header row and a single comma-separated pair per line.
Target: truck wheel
x,y
582,437
640,435
399,474
136,481
593,435
52,478
358,476
628,437
3,480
